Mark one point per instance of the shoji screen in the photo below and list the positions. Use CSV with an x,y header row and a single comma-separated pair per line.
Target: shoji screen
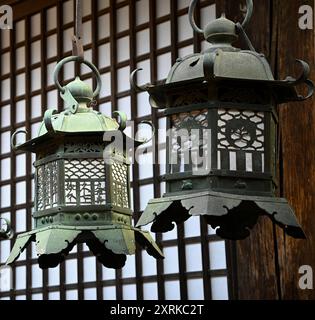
x,y
119,36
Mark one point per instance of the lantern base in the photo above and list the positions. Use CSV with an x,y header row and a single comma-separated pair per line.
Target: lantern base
x,y
233,215
110,244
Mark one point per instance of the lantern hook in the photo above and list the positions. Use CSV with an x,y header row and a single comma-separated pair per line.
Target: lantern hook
x,y
134,84
192,7
13,145
302,79
121,118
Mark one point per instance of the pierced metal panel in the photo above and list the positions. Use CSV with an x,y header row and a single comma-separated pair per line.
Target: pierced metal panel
x,y
241,140
241,130
189,139
85,182
47,186
120,185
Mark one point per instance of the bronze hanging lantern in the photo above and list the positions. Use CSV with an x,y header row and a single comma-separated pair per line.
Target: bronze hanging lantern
x,y
82,187
230,96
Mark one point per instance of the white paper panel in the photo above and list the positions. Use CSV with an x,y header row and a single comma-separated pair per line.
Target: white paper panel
x,y
172,290
217,255
143,42
68,11
130,292
109,293
89,269
5,38
123,83
52,46
67,39
106,109
19,58
195,289
103,26
124,105
72,295
123,49
20,165
193,257
90,294
181,4
54,276
233,161
148,264
106,87
163,33
54,295
192,227
20,84
20,31
219,287
122,17
37,276
144,107
21,193
5,89
104,55
20,111
185,31
4,250
71,271
35,25
35,52
5,169
35,129
5,116
163,8
36,108
86,7
5,192
52,99
146,194
145,161
20,278
164,65
150,291
171,260
102,4
5,63
142,9
34,253
129,271
36,79
68,71
37,296
23,297
108,274
87,32
51,19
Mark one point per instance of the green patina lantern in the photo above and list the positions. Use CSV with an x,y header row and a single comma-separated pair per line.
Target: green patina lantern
x,y
230,96
82,187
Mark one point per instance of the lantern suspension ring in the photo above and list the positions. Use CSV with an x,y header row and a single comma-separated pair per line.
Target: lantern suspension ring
x,y
244,24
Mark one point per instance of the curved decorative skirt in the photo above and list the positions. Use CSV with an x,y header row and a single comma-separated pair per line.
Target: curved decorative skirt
x,y
233,215
110,244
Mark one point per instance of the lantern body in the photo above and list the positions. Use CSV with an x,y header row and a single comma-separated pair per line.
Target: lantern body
x,y
81,187
222,146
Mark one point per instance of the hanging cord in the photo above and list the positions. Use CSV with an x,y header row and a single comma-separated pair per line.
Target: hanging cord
x,y
77,43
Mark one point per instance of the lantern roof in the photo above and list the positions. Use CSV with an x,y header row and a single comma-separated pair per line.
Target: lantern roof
x,y
223,63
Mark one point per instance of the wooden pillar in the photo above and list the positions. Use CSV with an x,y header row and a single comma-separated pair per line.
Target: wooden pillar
x,y
298,148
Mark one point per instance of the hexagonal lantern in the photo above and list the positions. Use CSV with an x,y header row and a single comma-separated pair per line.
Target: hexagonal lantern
x,y
221,104
82,187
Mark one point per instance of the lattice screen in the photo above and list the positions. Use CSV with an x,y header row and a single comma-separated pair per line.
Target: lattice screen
x,y
119,36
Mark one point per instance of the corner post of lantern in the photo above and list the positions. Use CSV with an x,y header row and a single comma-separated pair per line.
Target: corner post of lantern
x,y
232,93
